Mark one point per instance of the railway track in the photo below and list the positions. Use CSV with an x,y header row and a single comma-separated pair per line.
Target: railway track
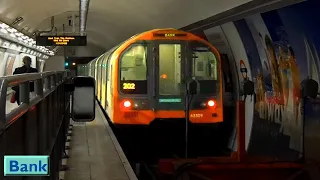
x,y
166,140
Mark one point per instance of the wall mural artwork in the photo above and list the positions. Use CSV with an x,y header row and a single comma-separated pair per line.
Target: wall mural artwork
x,y
302,24
282,50
270,110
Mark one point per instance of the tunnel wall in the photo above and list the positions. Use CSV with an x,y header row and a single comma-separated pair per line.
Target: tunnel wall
x,y
11,59
90,50
279,48
55,63
11,55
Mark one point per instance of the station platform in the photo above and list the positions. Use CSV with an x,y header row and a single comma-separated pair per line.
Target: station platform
x,y
95,153
42,125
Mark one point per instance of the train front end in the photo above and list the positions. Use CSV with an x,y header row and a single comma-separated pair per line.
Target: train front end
x,y
153,74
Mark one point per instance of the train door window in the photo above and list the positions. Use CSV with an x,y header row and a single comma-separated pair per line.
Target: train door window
x,y
108,69
109,80
110,75
96,68
205,68
99,75
104,69
93,69
104,75
133,70
169,69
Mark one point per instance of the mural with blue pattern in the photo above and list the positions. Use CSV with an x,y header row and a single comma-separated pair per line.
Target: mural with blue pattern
x,y
282,47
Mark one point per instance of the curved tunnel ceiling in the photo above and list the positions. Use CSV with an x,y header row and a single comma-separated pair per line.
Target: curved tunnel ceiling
x,y
110,22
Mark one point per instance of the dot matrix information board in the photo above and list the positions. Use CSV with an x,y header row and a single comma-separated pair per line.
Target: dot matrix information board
x,y
61,40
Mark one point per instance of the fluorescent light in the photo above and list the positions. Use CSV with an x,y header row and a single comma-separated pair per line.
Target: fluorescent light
x,y
18,34
4,31
11,30
21,38
3,25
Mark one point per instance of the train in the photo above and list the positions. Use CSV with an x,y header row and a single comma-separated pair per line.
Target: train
x,y
144,78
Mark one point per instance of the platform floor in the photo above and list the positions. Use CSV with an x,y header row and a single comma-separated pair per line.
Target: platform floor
x,y
95,153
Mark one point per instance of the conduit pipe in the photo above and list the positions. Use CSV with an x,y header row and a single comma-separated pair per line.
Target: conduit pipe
x,y
83,13
51,30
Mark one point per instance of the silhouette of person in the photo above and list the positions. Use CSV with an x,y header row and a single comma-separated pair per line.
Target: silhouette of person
x,y
26,68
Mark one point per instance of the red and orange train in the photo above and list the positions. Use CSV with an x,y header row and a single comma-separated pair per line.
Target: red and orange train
x,y
144,78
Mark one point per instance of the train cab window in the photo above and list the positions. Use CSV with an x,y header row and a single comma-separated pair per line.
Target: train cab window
x,y
133,70
169,69
205,68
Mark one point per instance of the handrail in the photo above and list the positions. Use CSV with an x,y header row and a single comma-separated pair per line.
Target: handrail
x,y
45,83
14,80
40,124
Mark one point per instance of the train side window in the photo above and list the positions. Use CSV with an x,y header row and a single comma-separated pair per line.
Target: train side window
x,y
105,68
108,68
111,78
133,70
96,69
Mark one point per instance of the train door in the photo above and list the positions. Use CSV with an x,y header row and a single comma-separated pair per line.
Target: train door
x,y
168,69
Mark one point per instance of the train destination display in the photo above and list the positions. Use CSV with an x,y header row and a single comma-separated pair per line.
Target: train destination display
x,y
61,40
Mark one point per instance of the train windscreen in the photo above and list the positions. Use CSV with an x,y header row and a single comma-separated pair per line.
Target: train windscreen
x,y
205,68
133,70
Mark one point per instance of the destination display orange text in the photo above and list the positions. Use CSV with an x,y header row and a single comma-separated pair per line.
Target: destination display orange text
x,y
61,40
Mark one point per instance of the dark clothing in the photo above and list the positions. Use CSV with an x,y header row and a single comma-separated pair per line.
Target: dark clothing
x,y
22,70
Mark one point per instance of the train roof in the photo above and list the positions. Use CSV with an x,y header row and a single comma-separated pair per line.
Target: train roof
x,y
149,35
146,35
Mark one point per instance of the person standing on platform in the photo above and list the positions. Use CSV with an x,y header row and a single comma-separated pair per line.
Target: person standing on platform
x,y
26,68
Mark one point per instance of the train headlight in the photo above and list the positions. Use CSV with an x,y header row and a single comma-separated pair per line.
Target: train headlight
x,y
134,104
211,103
126,104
